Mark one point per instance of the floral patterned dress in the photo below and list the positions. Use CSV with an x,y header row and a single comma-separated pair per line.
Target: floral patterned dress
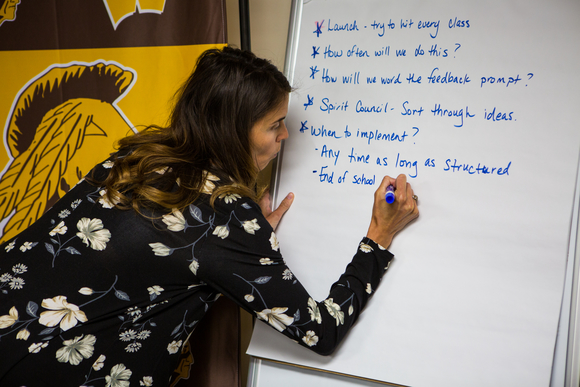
x,y
95,296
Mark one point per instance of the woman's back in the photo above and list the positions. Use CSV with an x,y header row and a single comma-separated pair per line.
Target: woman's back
x,y
89,282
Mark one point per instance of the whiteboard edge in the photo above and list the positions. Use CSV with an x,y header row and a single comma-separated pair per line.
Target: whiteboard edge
x,y
573,352
289,65
254,371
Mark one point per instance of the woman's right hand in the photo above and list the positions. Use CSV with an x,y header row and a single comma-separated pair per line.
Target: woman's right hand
x,y
388,219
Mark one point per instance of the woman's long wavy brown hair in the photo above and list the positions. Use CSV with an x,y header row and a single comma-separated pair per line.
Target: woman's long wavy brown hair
x,y
209,127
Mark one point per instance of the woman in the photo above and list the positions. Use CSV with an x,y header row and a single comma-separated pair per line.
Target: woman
x,y
106,287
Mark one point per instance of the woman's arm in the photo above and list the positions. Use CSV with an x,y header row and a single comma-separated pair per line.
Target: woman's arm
x,y
247,267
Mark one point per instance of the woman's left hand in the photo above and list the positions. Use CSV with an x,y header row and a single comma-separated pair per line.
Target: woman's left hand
x,y
273,217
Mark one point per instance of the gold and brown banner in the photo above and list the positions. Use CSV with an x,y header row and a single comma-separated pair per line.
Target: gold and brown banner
x,y
76,76
79,74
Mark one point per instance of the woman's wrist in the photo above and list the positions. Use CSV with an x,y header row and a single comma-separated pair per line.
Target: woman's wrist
x,y
384,241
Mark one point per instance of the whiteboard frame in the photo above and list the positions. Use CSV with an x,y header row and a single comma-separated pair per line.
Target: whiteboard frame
x,y
289,64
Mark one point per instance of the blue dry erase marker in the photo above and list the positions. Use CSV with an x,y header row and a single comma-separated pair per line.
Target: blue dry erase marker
x,y
390,195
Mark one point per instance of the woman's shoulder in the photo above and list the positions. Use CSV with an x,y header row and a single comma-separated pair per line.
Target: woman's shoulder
x,y
236,201
101,170
203,210
231,221
229,205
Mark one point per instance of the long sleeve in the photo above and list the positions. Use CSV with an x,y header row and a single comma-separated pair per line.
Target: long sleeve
x,y
242,260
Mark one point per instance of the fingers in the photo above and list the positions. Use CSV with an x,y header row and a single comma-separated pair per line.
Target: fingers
x,y
403,190
382,190
285,205
407,196
274,217
387,181
265,204
389,218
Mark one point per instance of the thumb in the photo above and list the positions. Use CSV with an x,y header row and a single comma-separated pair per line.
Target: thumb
x,y
274,217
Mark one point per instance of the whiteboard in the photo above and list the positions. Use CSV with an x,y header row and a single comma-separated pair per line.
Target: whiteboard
x,y
479,113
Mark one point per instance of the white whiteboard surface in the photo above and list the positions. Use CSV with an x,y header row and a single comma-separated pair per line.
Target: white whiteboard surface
x,y
565,369
474,295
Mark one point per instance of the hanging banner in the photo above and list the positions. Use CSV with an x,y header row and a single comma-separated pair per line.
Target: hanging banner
x,y
79,75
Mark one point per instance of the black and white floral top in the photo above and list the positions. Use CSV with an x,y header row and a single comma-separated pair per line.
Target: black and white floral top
x,y
95,296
